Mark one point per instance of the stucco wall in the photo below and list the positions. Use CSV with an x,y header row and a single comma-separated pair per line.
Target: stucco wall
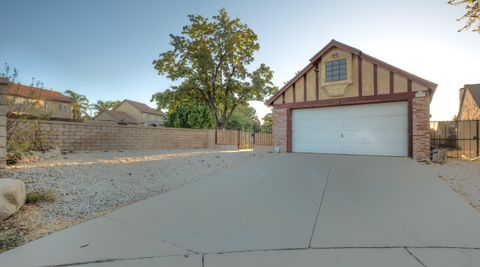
x,y
469,109
53,111
130,110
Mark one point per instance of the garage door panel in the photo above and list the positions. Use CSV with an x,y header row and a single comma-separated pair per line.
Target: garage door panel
x,y
372,129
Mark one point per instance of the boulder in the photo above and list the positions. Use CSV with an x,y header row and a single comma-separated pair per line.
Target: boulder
x,y
12,196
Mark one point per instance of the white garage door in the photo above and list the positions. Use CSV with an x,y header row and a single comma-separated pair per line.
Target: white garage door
x,y
371,129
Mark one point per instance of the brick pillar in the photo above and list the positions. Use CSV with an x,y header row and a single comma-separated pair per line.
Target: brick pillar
x,y
421,125
279,129
3,126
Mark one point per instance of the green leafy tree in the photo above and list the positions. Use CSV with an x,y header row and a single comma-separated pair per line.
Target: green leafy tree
x,y
267,121
189,115
210,59
79,103
472,15
244,118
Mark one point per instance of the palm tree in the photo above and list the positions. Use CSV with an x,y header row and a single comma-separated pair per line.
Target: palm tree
x,y
103,105
80,104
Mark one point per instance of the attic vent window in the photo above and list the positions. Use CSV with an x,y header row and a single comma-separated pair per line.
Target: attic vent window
x,y
336,70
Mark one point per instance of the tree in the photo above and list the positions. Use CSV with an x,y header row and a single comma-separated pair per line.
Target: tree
x,y
100,106
210,59
79,103
472,15
189,115
267,121
244,118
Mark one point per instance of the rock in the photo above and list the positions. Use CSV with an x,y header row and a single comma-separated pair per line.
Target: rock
x,y
12,196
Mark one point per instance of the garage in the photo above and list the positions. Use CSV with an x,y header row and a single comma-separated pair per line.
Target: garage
x,y
345,101
372,129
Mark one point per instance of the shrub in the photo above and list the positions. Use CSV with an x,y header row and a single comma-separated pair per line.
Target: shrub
x,y
41,196
27,137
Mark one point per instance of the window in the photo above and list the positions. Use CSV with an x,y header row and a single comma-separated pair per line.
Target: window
x,y
62,107
46,106
336,70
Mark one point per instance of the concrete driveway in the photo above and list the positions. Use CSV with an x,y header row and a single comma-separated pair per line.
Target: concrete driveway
x,y
290,210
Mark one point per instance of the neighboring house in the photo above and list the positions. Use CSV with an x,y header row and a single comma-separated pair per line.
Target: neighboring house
x,y
118,117
347,102
38,102
142,113
469,102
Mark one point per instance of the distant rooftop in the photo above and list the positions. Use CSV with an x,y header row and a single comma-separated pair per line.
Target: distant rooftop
x,y
21,90
143,107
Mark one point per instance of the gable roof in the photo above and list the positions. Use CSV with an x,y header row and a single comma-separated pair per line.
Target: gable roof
x,y
17,89
119,116
355,51
142,107
474,90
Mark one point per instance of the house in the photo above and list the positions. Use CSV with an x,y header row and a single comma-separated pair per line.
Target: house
x,y
38,102
347,102
114,116
142,113
469,102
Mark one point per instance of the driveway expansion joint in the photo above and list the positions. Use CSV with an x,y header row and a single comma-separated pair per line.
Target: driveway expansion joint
x,y
320,205
152,235
415,257
112,260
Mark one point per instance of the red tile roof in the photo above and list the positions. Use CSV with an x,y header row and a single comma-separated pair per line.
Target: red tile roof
x,y
143,107
16,89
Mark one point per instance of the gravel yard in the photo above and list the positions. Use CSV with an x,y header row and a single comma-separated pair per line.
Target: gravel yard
x,y
463,177
90,184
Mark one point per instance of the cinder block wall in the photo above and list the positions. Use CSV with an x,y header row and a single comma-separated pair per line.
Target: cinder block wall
x,y
77,136
3,126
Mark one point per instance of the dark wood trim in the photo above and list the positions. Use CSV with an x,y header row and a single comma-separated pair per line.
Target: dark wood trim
x,y
305,87
391,82
409,85
283,98
360,82
289,130
375,80
317,85
349,101
294,93
410,128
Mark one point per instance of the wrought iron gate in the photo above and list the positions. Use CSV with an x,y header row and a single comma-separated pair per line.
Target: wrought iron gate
x,y
460,138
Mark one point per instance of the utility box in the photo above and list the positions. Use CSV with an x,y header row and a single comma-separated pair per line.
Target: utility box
x,y
439,155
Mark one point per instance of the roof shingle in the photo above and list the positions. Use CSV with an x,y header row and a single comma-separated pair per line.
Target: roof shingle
x,y
16,89
143,107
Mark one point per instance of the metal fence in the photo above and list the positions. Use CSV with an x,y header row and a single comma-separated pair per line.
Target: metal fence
x,y
460,138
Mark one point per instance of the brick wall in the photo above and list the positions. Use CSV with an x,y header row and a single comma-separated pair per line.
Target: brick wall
x,y
421,127
77,136
279,128
3,126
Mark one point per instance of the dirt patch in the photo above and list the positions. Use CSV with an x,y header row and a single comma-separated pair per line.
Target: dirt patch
x,y
88,185
463,177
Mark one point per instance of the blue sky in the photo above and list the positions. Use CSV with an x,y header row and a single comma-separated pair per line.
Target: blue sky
x,y
104,49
